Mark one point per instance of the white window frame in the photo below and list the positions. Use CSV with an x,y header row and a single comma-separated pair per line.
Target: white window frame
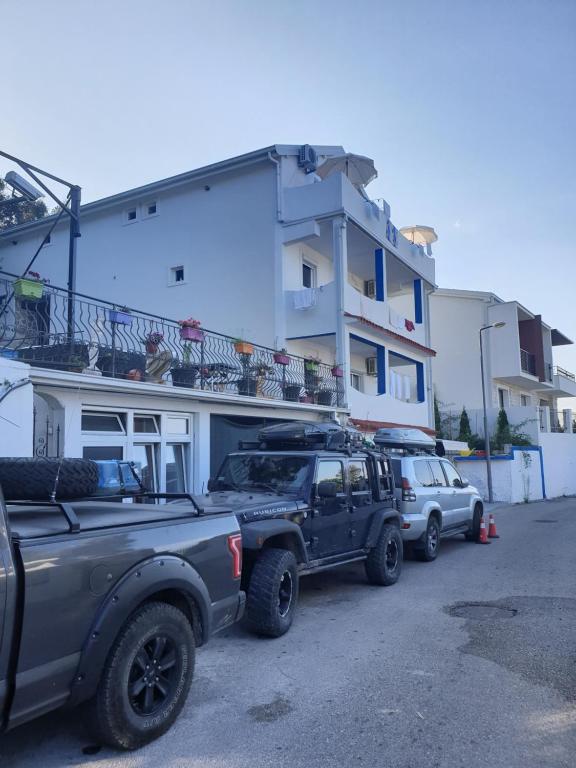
x,y
313,272
125,220
360,377
145,213
185,446
172,282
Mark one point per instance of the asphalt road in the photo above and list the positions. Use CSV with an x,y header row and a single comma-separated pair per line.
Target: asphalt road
x,y
408,676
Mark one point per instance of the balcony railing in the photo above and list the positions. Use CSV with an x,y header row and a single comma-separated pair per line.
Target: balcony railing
x,y
111,341
562,372
528,362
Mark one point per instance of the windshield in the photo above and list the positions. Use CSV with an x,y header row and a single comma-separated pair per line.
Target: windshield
x,y
281,474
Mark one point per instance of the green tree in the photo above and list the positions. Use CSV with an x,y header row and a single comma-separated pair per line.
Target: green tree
x,y
438,420
464,432
14,211
503,434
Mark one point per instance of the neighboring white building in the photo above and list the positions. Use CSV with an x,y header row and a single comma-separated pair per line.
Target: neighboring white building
x,y
520,372
262,247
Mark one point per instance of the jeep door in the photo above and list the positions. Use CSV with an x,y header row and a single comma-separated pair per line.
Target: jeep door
x,y
331,523
362,505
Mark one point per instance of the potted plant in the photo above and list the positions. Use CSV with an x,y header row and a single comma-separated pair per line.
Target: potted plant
x,y
281,357
243,347
311,364
324,397
260,370
76,364
292,392
120,316
184,373
190,330
152,342
311,377
337,372
247,386
29,287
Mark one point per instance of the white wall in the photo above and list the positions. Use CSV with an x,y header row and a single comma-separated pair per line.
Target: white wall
x,y
503,343
513,480
559,452
16,410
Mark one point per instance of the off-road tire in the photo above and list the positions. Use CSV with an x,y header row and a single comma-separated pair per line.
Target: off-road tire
x,y
429,551
112,717
384,562
37,479
474,533
268,610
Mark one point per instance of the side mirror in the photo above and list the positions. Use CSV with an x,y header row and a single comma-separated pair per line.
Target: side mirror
x,y
327,489
464,482
212,485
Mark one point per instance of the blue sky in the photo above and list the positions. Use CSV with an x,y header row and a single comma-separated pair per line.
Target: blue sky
x,y
467,107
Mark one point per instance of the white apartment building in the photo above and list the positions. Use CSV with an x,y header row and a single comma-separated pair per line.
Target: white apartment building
x,y
520,371
275,247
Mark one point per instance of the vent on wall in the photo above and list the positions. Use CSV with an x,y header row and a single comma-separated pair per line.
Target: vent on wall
x,y
370,288
371,369
307,158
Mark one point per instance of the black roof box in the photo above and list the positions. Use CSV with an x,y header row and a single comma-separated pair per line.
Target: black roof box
x,y
405,438
308,435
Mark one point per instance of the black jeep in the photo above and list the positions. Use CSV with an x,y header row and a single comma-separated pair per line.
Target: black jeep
x,y
308,497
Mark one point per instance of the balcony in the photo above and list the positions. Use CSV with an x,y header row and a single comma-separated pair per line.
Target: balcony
x,y
96,338
563,382
528,362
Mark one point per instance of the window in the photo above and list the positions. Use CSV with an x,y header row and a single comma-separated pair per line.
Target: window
x,y
308,275
384,471
175,468
524,399
146,424
452,476
151,209
501,396
176,275
177,425
111,423
103,452
423,474
144,457
439,477
332,472
131,215
356,381
277,473
358,473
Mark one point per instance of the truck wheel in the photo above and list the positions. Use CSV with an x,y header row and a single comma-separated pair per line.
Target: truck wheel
x,y
146,678
474,533
37,479
272,593
384,562
429,550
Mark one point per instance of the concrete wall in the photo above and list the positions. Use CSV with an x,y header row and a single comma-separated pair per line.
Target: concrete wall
x,y
514,480
16,409
559,451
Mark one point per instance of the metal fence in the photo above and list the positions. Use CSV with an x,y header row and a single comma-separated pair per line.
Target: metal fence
x,y
562,372
122,343
528,362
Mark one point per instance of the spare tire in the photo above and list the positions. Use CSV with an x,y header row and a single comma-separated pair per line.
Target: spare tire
x,y
38,479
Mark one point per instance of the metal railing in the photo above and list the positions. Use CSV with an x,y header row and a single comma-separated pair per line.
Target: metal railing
x,y
562,372
113,341
556,421
528,362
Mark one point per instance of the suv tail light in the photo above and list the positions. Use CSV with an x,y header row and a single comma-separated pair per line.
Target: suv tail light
x,y
235,547
407,490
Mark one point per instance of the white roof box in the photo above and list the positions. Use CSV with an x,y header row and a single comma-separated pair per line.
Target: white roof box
x,y
410,439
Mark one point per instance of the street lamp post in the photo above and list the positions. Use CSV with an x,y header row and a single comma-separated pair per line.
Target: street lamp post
x,y
486,433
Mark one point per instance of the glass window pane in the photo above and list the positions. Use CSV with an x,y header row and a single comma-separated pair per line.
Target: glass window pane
x,y
175,469
147,424
144,459
332,472
423,474
103,452
451,474
103,422
177,425
358,476
437,472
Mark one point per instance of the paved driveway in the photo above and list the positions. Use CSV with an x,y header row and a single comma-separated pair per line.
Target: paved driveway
x,y
409,676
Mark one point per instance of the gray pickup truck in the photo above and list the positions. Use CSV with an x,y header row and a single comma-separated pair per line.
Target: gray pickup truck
x,y
104,603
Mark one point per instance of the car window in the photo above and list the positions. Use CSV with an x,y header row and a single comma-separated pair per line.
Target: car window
x,y
358,474
423,474
439,477
384,470
331,471
451,474
397,470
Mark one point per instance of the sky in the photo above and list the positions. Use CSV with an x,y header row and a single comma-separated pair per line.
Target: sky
x,y
468,108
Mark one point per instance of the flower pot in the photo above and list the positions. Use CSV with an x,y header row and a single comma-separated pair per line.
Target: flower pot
x,y
281,358
324,397
306,399
124,363
191,334
337,372
247,386
119,317
243,347
292,392
29,289
185,376
151,348
134,374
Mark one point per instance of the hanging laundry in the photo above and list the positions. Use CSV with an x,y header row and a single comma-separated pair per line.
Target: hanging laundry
x,y
305,298
409,325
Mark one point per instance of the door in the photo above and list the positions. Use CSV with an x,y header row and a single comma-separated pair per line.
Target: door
x,y
361,499
331,521
461,496
447,496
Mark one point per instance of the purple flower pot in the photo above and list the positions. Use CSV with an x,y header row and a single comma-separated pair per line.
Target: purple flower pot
x,y
191,334
281,358
119,317
337,372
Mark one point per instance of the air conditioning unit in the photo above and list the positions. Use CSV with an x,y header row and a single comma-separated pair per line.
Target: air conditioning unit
x,y
307,158
371,368
370,288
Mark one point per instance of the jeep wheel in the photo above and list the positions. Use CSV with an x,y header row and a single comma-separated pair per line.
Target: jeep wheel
x,y
384,562
146,678
474,533
272,593
429,550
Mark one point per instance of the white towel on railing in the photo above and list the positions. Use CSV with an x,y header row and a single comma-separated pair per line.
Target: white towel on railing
x,y
305,298
396,319
406,388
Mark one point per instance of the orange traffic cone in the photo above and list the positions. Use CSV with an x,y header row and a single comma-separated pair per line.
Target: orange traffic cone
x,y
492,528
483,538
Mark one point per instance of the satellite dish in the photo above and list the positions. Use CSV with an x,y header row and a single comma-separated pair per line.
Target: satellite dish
x,y
420,235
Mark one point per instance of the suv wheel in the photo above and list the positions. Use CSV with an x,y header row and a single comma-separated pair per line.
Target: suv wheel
x,y
384,562
474,533
272,593
429,551
146,678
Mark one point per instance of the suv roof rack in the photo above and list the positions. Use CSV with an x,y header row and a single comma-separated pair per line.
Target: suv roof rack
x,y
306,436
406,439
